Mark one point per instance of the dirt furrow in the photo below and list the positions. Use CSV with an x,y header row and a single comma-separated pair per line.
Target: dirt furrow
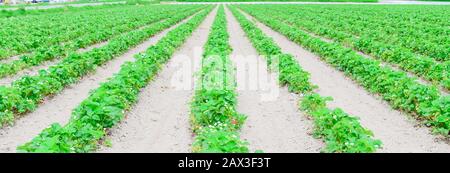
x,y
11,58
96,45
397,131
159,122
394,67
274,122
29,71
34,70
58,109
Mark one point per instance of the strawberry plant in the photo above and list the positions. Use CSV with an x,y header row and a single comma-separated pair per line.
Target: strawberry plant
x,y
106,105
102,29
396,87
214,117
33,89
403,57
340,131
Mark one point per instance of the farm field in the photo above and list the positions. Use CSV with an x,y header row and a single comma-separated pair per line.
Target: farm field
x,y
235,78
277,0
46,5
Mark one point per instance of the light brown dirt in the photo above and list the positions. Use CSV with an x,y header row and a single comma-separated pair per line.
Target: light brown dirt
x,y
397,132
10,59
58,108
34,70
159,122
392,66
275,124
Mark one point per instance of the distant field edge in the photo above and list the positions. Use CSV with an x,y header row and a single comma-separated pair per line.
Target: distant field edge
x,y
435,0
279,0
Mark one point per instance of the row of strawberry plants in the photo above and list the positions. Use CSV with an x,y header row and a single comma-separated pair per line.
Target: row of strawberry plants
x,y
214,118
56,33
106,106
388,27
414,39
419,37
277,0
340,131
38,32
426,22
401,91
426,67
27,92
45,30
98,34
23,12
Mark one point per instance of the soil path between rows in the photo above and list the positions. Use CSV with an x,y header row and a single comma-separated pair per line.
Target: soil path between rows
x,y
381,2
34,70
418,78
58,109
159,122
12,58
274,123
397,131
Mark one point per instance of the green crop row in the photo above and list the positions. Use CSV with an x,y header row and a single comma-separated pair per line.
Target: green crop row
x,y
400,22
277,0
416,29
422,66
27,33
340,131
95,34
214,118
106,105
401,91
26,93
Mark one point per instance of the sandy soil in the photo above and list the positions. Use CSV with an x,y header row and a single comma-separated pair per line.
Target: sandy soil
x,y
159,122
273,124
80,50
397,131
58,108
394,67
29,71
97,45
10,59
34,70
